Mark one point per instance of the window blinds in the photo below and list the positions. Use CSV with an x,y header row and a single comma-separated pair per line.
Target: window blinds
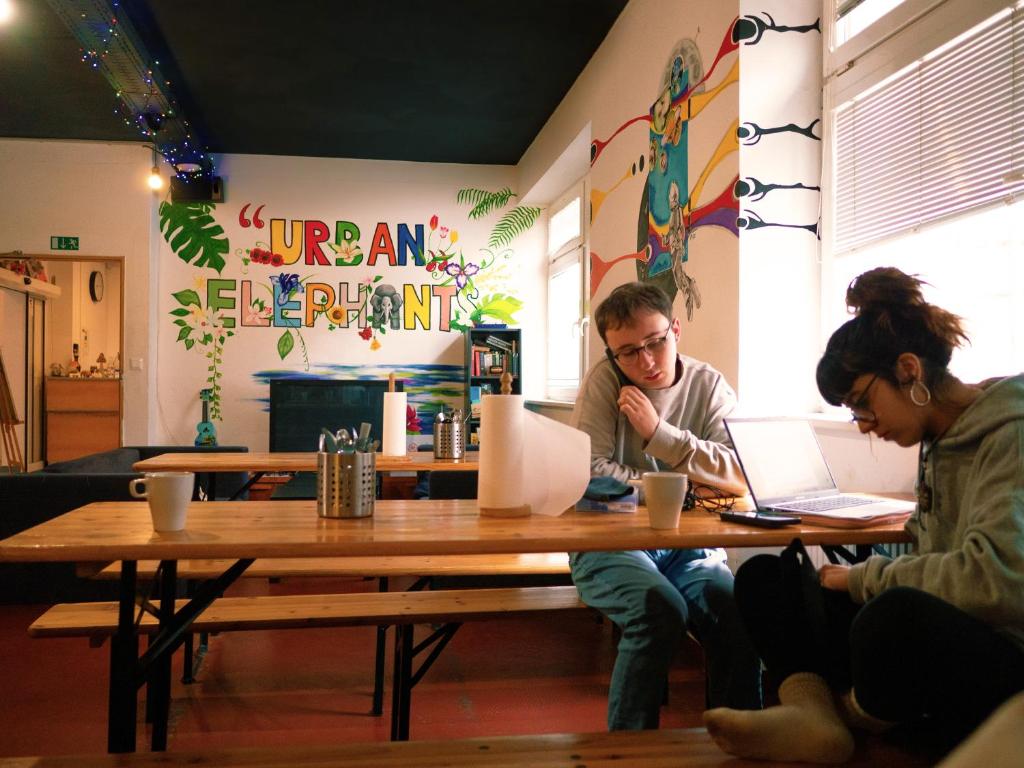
x,y
942,137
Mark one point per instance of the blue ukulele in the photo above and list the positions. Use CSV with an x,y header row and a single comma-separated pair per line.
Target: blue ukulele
x,y
206,434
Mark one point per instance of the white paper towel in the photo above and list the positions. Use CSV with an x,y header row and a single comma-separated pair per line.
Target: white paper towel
x,y
528,463
393,443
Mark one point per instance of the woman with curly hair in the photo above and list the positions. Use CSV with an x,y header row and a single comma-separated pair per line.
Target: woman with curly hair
x,y
936,635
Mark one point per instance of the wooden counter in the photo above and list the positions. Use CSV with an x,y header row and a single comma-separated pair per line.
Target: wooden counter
x,y
83,416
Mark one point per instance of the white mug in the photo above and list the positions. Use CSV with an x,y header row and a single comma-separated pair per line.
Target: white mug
x,y
664,493
168,494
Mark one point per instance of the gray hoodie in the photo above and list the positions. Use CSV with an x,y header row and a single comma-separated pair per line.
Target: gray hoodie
x,y
970,546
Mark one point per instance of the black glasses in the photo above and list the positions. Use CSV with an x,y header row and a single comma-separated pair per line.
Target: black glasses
x,y
859,412
630,355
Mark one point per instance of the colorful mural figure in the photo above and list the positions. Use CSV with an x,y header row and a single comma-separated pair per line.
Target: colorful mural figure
x,y
292,300
669,210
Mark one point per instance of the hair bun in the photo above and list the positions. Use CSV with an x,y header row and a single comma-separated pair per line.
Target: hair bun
x,y
884,290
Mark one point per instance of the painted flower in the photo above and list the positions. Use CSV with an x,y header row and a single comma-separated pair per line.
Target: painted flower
x,y
412,421
288,284
455,236
199,283
336,315
347,250
374,345
433,222
444,231
256,313
462,273
276,260
366,333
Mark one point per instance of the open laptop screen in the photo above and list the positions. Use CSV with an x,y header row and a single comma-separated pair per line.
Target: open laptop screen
x,y
781,458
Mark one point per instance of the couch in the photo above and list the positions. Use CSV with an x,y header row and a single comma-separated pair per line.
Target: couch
x,y
31,498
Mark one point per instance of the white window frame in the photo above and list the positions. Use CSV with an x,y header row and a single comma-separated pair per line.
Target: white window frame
x,y
909,32
564,256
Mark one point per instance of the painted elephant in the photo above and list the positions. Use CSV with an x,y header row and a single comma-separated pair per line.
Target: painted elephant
x,y
386,302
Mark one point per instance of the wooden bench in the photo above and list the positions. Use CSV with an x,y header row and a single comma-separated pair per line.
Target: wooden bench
x,y
667,748
450,608
380,568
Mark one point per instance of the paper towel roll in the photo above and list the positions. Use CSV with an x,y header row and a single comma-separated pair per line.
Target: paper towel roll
x,y
501,492
528,463
394,424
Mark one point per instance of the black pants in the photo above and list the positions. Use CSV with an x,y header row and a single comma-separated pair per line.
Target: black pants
x,y
908,655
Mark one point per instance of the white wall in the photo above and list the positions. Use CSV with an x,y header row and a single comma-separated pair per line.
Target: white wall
x,y
779,265
97,192
366,193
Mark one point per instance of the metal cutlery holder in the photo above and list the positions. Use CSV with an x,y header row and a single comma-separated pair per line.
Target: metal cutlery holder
x,y
346,484
449,438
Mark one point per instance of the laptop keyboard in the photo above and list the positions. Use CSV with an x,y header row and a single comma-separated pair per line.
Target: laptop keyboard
x,y
827,503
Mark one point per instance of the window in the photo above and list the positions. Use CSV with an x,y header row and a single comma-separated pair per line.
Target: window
x,y
566,341
926,173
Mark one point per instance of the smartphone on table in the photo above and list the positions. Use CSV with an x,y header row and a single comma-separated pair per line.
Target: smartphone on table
x,y
759,517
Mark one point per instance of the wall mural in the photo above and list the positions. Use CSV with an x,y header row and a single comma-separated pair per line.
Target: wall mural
x,y
669,211
297,274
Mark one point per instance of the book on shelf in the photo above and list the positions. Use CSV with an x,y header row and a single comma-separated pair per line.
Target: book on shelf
x,y
498,343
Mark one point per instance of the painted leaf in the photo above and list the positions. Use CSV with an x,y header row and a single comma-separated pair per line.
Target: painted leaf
x,y
285,344
189,343
512,224
187,298
498,306
193,234
484,202
183,333
180,312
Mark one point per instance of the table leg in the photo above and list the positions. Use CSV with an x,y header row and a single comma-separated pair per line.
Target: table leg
x,y
378,664
124,656
160,671
401,683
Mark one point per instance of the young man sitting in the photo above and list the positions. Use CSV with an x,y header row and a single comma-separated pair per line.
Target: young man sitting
x,y
646,407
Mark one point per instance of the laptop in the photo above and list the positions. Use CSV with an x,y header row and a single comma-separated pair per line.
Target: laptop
x,y
787,472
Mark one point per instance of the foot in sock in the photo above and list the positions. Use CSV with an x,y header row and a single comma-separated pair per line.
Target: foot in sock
x,y
806,727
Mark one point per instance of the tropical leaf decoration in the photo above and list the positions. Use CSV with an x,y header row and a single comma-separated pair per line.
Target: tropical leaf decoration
x,y
484,202
194,234
512,224
500,306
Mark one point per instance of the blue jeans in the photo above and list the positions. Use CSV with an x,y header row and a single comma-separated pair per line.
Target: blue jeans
x,y
654,597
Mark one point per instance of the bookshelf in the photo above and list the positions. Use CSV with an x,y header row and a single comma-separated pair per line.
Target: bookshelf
x,y
489,353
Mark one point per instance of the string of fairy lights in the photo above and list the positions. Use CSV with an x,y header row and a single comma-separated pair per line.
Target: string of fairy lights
x,y
145,101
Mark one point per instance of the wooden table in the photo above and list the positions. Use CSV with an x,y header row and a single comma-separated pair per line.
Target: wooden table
x,y
107,531
298,461
259,463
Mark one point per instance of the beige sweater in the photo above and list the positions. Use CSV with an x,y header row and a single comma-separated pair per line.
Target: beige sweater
x,y
690,438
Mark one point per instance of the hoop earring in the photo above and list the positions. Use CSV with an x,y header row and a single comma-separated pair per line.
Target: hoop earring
x,y
925,398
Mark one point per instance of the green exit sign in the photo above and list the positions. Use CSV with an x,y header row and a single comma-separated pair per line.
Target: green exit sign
x,y
63,243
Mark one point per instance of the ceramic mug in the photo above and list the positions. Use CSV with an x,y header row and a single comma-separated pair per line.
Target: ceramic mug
x,y
168,494
664,494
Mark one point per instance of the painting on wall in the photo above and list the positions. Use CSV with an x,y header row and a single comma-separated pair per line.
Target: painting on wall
x,y
323,299
681,191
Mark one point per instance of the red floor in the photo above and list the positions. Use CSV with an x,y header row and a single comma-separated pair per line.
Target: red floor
x,y
513,676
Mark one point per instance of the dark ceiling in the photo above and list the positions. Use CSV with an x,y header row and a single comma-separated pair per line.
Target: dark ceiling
x,y
459,81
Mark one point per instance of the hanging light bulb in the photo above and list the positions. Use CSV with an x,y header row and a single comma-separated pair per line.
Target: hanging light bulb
x,y
155,180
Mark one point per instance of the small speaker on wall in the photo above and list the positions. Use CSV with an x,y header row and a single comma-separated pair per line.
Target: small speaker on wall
x,y
197,190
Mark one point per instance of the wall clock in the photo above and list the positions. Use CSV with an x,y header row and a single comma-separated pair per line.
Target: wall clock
x,y
96,286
